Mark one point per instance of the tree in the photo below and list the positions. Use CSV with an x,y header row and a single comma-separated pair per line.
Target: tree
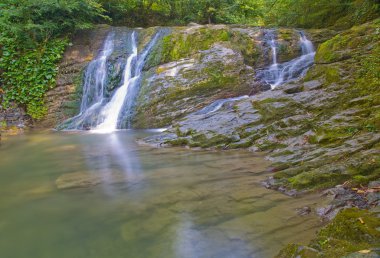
x,y
31,21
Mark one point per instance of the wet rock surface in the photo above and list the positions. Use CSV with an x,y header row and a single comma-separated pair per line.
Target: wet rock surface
x,y
187,70
195,66
319,132
352,233
13,121
64,100
343,197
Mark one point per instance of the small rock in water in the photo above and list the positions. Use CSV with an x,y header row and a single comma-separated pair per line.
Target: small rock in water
x,y
313,85
292,88
329,212
304,211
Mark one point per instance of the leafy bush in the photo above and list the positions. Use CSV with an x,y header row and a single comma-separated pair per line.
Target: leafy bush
x,y
27,75
31,46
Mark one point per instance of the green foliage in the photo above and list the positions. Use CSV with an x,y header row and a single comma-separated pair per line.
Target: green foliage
x,y
179,12
341,14
27,75
351,230
30,45
31,21
35,26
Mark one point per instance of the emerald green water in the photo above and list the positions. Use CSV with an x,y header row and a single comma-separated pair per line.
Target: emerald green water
x,y
146,202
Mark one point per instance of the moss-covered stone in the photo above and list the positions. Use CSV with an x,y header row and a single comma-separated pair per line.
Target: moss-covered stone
x,y
350,231
329,133
180,45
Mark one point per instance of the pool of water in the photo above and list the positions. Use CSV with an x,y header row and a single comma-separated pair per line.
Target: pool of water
x,y
74,195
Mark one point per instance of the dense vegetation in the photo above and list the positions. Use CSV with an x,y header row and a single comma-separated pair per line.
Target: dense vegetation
x,y
32,40
33,33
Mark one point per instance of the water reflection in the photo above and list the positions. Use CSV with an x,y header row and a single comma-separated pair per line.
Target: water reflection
x,y
114,157
150,202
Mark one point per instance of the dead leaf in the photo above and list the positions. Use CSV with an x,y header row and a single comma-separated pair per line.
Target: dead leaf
x,y
361,220
360,191
364,251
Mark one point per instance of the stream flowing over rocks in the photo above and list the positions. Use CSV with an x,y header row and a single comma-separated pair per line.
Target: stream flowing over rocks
x,y
308,99
300,96
210,86
319,131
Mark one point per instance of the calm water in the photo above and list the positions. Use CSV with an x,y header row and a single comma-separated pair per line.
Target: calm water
x,y
142,202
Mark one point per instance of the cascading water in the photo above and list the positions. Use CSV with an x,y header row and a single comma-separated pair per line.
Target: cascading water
x,y
125,96
127,111
111,111
95,79
278,74
105,114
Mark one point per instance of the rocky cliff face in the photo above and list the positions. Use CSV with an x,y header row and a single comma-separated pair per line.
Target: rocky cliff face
x,y
13,121
64,100
187,70
320,131
194,66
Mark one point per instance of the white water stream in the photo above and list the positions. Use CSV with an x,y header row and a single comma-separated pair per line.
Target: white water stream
x,y
278,74
112,110
106,114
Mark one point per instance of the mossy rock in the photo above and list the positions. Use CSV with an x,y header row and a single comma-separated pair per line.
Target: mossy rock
x,y
184,44
352,230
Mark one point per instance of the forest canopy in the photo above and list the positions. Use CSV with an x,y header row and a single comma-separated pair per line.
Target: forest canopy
x,y
38,20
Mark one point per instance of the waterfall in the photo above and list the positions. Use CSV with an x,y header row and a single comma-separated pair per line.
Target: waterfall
x,y
105,114
278,74
125,96
95,79
111,111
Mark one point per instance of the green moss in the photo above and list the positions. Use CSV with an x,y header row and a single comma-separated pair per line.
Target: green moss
x,y
317,179
215,81
297,251
328,136
288,48
282,153
219,141
241,145
271,112
290,251
332,74
366,170
178,142
344,45
72,107
3,125
325,53
269,146
243,43
180,45
350,231
285,34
